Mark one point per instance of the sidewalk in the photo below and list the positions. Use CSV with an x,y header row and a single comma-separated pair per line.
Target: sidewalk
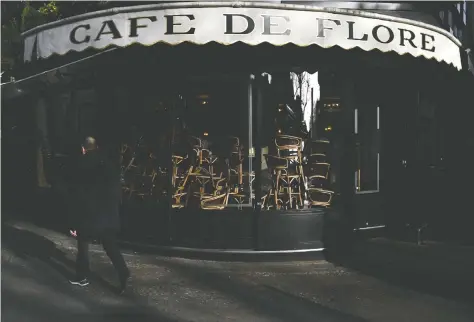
x,y
434,268
36,263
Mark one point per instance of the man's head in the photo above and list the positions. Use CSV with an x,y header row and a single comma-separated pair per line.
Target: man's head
x,y
89,144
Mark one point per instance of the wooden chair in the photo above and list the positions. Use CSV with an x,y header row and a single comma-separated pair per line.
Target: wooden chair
x,y
276,165
318,170
207,201
178,200
317,158
319,147
320,197
291,148
218,202
176,160
318,194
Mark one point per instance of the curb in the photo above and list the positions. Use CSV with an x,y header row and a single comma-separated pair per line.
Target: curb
x,y
238,255
242,255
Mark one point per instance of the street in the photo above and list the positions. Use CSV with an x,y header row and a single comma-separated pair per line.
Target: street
x,y
36,264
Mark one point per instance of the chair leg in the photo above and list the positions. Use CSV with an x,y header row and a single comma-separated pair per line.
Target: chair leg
x,y
266,199
187,176
241,180
277,188
300,197
289,193
174,175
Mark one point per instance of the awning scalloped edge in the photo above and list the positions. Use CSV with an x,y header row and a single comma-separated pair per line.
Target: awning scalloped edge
x,y
236,42
305,26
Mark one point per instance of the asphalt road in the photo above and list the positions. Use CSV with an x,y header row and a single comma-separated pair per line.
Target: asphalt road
x,y
36,264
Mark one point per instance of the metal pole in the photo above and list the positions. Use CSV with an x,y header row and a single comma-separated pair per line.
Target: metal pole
x,y
169,186
258,161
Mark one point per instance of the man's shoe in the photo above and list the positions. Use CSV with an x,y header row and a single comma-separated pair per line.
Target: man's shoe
x,y
80,282
123,283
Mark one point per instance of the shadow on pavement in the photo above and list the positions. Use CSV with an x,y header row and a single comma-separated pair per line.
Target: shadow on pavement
x,y
26,244
267,301
30,293
122,316
21,308
427,273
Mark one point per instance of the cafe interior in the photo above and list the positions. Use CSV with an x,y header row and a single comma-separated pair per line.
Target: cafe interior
x,y
207,126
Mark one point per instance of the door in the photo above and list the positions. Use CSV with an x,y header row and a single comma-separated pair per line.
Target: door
x,y
367,111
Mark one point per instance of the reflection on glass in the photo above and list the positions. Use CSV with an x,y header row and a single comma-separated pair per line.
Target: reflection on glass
x,y
210,166
296,164
207,163
198,141
143,157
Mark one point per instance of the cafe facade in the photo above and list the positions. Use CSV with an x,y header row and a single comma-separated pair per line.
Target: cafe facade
x,y
259,126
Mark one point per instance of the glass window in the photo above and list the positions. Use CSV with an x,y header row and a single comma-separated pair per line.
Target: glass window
x,y
212,145
301,131
191,137
366,129
145,145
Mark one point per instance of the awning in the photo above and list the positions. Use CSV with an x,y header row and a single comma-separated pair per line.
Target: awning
x,y
251,23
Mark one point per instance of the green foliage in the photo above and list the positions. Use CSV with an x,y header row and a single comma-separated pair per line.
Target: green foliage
x,y
11,43
20,16
49,9
31,17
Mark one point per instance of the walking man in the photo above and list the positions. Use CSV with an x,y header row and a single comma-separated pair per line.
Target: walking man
x,y
98,191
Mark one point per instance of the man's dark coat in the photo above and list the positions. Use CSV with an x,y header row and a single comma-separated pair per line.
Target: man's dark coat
x,y
97,183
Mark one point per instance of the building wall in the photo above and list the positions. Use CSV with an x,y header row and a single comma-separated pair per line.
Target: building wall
x,y
469,41
428,13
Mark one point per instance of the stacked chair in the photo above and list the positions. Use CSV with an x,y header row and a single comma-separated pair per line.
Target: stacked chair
x,y
211,177
275,197
232,154
317,168
287,173
204,179
139,171
204,184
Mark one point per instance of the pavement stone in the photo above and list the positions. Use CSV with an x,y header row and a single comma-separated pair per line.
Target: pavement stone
x,y
36,263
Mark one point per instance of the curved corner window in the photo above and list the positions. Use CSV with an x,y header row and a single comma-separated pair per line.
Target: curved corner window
x,y
300,142
212,144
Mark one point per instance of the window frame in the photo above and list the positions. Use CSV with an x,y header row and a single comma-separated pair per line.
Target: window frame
x,y
357,171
